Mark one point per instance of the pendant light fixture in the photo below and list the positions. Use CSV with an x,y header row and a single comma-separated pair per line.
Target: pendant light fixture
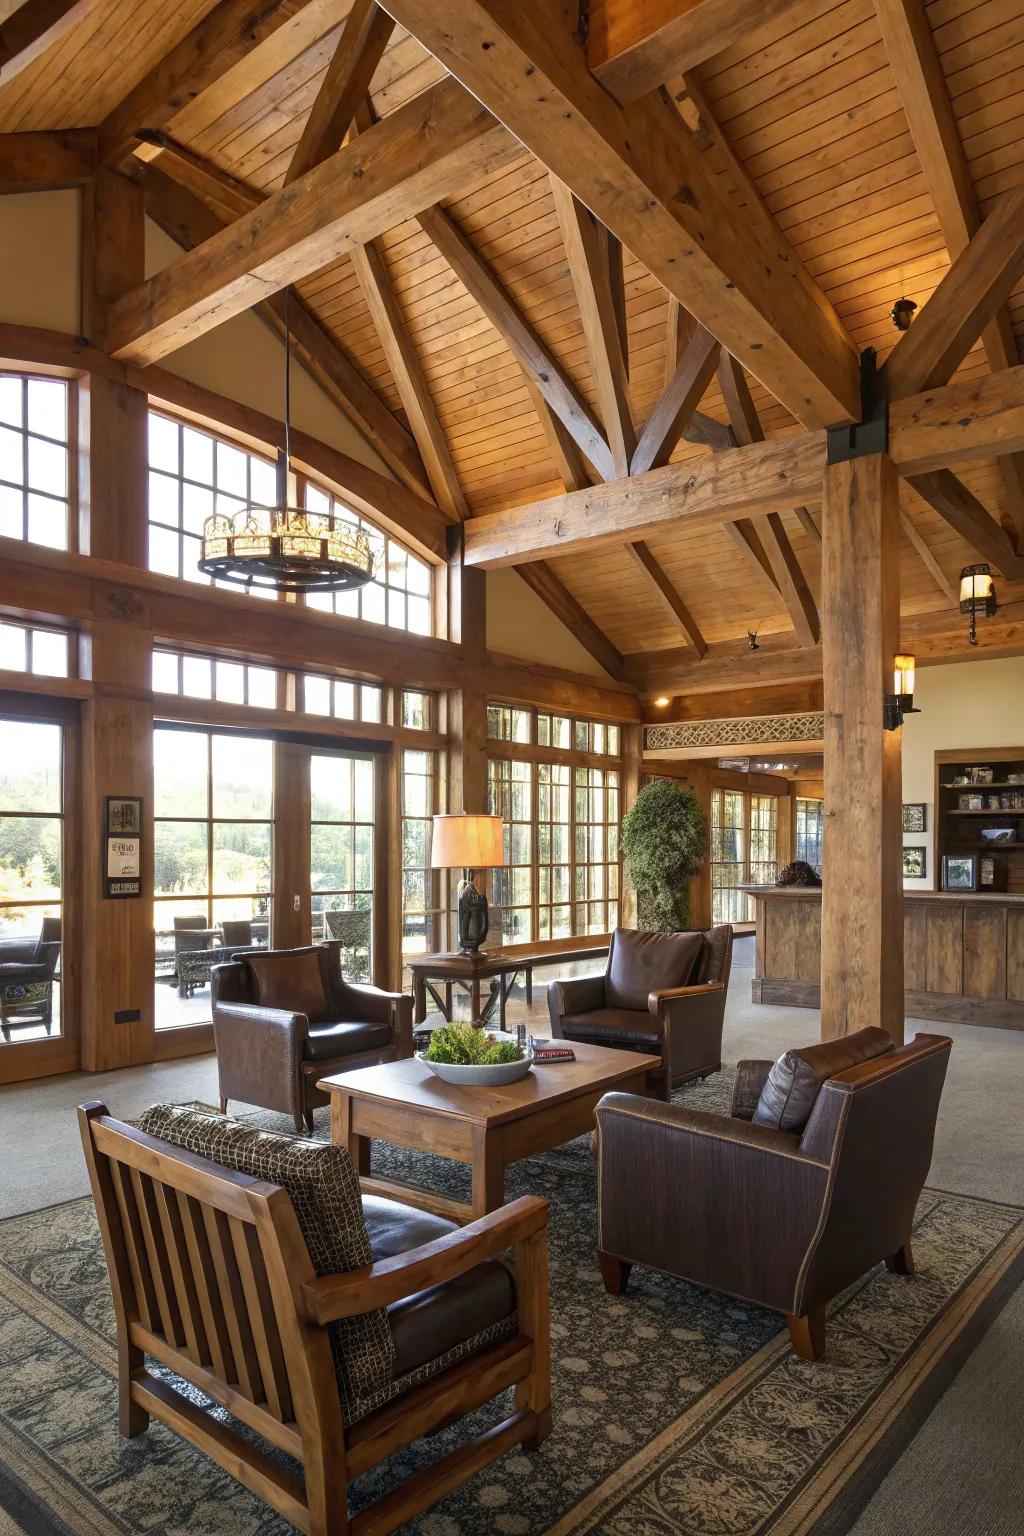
x,y
286,548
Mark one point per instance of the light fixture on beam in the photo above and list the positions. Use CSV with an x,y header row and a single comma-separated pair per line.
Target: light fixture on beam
x,y
284,548
901,701
902,313
977,595
662,702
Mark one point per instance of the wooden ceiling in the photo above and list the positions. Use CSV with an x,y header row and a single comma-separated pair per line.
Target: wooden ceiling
x,y
806,115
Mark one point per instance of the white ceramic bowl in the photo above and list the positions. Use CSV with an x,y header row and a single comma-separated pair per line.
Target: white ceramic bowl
x,y
479,1077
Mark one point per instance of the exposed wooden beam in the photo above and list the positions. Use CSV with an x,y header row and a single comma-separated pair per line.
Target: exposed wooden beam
x,y
188,199
679,327
731,485
747,538
224,37
679,400
525,345
928,560
962,510
223,193
667,595
641,174
343,89
33,29
633,46
592,263
970,419
540,578
914,60
427,148
32,162
976,286
565,454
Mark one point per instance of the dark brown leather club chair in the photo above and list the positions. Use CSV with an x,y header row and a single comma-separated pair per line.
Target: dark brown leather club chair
x,y
661,994
282,1018
811,1181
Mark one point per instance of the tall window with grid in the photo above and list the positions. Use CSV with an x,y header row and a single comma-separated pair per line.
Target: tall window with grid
x,y
763,854
554,852
398,595
191,474
809,832
728,856
510,796
421,902
341,856
31,859
44,652
596,893
35,468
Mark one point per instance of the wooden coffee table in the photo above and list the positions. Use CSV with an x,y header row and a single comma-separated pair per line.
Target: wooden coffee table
x,y
488,1128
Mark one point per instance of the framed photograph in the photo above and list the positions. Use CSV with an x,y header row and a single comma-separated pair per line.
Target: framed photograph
x,y
997,836
991,872
959,872
914,818
122,846
915,862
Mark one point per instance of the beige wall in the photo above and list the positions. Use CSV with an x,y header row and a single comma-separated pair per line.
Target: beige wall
x,y
520,624
973,704
39,260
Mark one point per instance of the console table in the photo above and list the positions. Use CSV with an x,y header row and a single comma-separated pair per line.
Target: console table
x,y
470,970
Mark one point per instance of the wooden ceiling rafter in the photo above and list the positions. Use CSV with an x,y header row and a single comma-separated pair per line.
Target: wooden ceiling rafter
x,y
364,36
920,547
528,70
962,510
663,589
217,200
921,84
33,29
677,403
549,587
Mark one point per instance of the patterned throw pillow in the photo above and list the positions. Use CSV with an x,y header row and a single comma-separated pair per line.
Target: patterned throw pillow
x,y
323,1186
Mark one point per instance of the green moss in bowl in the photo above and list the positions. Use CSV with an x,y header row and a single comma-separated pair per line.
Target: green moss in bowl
x,y
463,1045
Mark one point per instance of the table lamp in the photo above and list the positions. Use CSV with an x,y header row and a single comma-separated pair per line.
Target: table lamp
x,y
468,842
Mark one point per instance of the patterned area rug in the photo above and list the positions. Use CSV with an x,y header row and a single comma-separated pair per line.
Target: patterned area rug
x,y
676,1412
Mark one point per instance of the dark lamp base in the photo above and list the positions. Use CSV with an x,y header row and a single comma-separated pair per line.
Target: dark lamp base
x,y
474,922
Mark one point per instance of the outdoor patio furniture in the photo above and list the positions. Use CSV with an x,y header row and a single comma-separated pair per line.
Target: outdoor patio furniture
x,y
27,968
351,928
195,965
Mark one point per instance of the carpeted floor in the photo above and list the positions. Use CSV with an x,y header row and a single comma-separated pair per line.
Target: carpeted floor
x,y
676,1411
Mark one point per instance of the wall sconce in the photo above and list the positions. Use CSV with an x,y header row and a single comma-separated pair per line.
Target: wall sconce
x,y
902,313
662,702
977,595
901,701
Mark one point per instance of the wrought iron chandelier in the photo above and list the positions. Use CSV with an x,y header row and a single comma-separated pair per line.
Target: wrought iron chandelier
x,y
286,548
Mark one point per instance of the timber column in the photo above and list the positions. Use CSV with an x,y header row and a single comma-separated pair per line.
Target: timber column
x,y
467,707
117,968
862,898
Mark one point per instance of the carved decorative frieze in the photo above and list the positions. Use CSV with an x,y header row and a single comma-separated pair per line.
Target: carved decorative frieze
x,y
751,730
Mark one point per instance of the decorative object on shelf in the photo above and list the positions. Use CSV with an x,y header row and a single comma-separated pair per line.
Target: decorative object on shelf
x,y
997,836
900,702
915,863
461,1053
914,817
799,873
468,842
663,845
977,595
902,313
991,872
285,548
959,872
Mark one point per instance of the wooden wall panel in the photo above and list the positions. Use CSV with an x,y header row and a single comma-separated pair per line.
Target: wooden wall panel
x,y
984,973
944,949
915,947
1015,956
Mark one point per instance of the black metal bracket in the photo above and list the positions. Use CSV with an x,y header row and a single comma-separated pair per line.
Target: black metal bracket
x,y
871,433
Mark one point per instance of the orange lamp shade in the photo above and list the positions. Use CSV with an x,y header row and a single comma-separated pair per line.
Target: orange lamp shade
x,y
467,842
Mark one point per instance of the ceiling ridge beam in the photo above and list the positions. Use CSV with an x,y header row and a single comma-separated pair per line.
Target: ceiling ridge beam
x,y
428,148
677,403
540,578
526,346
591,267
38,160
225,36
186,216
639,171
921,83
659,583
364,37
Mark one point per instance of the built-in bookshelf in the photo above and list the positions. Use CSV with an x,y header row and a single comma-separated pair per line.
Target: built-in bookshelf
x,y
979,816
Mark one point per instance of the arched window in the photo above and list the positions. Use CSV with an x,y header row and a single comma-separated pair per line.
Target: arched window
x,y
398,595
34,460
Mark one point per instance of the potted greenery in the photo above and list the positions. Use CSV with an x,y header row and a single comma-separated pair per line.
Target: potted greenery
x,y
462,1053
663,845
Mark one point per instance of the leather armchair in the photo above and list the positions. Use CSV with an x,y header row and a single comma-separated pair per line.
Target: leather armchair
x,y
661,994
281,1021
783,1218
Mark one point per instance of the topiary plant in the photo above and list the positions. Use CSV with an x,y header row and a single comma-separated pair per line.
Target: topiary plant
x,y
663,845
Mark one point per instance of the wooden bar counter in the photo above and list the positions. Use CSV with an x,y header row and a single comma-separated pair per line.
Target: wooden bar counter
x,y
963,953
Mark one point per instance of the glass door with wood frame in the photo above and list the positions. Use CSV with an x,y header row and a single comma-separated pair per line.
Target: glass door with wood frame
x,y
744,850
31,878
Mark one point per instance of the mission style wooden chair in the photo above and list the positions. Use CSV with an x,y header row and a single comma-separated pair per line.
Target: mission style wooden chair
x,y
211,1277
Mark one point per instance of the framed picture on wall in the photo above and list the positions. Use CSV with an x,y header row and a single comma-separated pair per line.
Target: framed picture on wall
x,y
914,816
915,863
959,872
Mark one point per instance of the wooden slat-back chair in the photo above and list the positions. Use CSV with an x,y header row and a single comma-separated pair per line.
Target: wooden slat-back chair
x,y
212,1278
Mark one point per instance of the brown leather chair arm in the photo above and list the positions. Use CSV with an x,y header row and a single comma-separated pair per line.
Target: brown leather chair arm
x,y
364,1290
580,994
258,1054
696,1123
655,1000
751,1077
691,1021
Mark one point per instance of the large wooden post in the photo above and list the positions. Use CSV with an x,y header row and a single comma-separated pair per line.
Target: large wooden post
x,y
632,739
467,707
862,899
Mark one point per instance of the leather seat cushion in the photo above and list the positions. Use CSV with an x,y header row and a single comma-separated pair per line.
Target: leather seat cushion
x,y
325,1041
450,1317
795,1080
641,963
290,979
606,1026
